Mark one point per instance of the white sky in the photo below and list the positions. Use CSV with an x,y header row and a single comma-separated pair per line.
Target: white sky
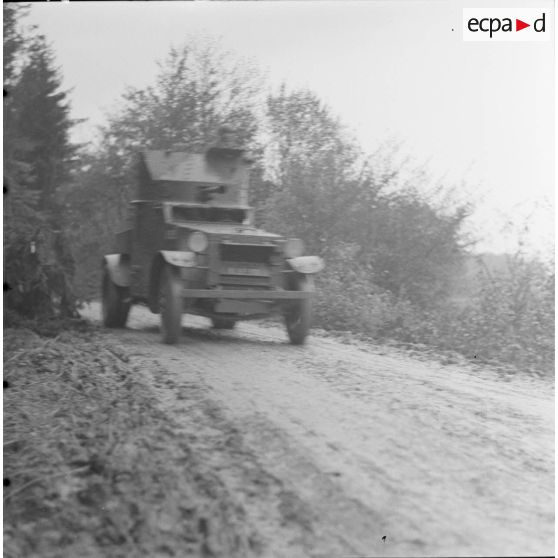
x,y
482,112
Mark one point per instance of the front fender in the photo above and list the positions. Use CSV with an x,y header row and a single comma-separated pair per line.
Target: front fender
x,y
306,264
118,268
179,259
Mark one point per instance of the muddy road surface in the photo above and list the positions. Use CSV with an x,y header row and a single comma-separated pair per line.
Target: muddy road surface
x,y
342,448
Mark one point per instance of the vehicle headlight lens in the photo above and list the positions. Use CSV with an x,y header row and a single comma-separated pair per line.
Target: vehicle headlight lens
x,y
294,247
198,241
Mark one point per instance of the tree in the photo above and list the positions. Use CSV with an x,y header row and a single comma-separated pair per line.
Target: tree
x,y
341,202
199,87
36,154
315,167
13,40
15,146
412,247
42,116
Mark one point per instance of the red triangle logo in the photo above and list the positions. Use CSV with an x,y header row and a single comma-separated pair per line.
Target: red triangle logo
x,y
519,25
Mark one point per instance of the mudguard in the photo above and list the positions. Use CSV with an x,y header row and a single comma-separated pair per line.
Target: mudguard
x,y
179,259
118,269
306,264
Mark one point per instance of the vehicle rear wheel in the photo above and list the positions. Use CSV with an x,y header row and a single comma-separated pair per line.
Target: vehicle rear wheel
x,y
115,302
223,323
170,304
298,313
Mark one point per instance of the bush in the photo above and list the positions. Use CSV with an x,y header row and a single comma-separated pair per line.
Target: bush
x,y
349,300
509,319
38,267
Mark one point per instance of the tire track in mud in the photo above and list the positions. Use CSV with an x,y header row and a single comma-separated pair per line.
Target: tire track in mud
x,y
271,515
329,447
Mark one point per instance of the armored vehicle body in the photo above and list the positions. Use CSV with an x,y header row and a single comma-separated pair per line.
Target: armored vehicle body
x,y
191,247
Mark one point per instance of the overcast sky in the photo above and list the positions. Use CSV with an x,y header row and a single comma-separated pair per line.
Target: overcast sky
x,y
483,112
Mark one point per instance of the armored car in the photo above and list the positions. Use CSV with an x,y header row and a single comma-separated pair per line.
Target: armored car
x,y
191,246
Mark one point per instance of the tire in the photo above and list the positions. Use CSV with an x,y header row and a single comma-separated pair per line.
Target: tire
x,y
298,313
170,305
223,323
115,302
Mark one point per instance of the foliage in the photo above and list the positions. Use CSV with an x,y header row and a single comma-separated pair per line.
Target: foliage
x,y
393,246
314,169
394,249
328,193
13,39
348,300
95,205
508,319
41,115
412,247
199,87
37,265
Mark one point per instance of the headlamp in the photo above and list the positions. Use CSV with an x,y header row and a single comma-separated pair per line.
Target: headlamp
x,y
197,241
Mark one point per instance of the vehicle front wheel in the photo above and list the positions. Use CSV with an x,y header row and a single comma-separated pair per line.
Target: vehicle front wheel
x,y
170,305
223,323
298,313
115,302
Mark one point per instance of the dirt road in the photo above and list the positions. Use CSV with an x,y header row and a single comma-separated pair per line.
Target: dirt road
x,y
325,450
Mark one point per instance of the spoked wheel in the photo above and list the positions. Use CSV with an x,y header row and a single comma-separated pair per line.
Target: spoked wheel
x,y
170,305
298,313
115,302
223,323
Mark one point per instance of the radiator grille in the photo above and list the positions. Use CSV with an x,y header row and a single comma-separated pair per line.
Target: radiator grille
x,y
245,266
246,253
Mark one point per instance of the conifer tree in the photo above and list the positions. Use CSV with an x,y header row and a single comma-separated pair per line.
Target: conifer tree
x,y
43,118
37,152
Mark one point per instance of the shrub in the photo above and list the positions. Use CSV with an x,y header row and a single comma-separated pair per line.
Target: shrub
x,y
509,319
